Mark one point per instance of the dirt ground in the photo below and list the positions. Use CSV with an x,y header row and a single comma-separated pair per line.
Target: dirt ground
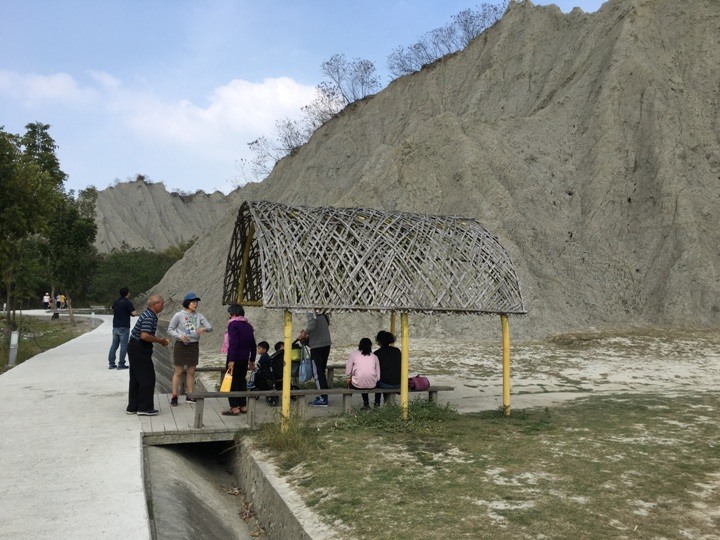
x,y
673,361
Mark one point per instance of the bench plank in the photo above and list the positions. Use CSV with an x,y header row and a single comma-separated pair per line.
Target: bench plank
x,y
347,394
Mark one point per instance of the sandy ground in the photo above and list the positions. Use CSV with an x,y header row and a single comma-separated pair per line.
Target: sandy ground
x,y
669,361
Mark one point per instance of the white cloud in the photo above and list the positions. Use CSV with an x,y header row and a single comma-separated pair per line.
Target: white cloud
x,y
237,109
105,79
34,90
137,129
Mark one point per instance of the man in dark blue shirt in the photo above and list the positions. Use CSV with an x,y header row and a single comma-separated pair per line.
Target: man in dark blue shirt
x,y
140,350
122,311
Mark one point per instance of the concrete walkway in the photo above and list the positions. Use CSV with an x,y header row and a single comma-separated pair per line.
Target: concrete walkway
x,y
71,459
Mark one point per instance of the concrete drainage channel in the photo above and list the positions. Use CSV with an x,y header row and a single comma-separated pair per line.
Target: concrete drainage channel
x,y
219,490
190,493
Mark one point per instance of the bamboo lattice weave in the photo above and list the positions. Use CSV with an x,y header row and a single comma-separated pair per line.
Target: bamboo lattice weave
x,y
354,259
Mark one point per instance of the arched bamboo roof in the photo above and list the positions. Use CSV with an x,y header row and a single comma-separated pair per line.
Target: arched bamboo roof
x,y
357,259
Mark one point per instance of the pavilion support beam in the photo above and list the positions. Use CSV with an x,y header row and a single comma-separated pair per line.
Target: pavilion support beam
x,y
244,267
506,363
405,356
287,374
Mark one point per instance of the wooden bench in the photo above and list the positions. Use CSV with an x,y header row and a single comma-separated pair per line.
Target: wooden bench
x,y
346,393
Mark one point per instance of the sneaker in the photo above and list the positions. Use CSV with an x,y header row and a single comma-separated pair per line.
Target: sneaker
x,y
112,366
151,412
123,366
190,399
319,402
173,401
365,408
130,412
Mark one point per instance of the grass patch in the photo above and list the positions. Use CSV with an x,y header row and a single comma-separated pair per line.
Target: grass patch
x,y
38,334
640,466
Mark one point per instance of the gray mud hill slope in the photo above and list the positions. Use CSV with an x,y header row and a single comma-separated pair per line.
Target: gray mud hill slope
x,y
588,143
146,215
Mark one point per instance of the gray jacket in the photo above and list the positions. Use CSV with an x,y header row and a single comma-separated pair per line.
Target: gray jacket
x,y
318,330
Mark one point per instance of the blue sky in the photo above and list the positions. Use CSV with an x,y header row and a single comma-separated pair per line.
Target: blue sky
x,y
175,89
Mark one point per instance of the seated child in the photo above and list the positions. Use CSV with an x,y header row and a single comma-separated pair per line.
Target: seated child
x,y
262,377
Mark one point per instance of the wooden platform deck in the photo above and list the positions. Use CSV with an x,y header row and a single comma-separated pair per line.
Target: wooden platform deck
x,y
174,425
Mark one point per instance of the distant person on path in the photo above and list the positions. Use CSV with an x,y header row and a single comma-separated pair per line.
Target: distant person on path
x,y
364,369
241,350
186,326
390,360
123,309
46,301
317,334
57,301
62,301
140,350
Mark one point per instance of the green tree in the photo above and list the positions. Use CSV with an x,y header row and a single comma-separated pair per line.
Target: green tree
x,y
137,269
31,185
71,239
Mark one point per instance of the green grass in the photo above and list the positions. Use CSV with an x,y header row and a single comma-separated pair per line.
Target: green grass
x,y
636,466
38,334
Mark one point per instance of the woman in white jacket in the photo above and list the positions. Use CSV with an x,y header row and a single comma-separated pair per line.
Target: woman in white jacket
x,y
186,327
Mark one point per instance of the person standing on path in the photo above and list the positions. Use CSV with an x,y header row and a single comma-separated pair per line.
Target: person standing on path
x,y
122,311
46,300
317,334
241,350
140,350
186,327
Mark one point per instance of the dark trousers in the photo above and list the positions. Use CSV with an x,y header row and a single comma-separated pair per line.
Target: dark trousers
x,y
141,391
365,397
320,357
239,383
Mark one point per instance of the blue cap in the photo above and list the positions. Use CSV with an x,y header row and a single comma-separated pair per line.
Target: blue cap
x,y
189,297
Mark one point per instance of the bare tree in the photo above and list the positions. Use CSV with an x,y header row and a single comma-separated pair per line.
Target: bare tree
x,y
346,81
456,35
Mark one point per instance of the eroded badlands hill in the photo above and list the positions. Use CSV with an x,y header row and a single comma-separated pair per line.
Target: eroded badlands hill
x,y
588,143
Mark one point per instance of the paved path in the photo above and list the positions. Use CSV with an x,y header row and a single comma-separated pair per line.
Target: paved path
x,y
70,458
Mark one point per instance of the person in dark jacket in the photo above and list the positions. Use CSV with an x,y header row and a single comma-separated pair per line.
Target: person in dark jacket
x,y
390,362
241,353
122,311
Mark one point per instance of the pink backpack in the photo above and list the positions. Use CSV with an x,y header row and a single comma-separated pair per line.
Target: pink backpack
x,y
418,383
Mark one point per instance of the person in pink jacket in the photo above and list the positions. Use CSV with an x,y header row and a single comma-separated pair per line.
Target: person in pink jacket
x,y
364,369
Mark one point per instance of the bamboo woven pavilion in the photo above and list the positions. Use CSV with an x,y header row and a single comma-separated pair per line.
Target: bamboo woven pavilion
x,y
301,259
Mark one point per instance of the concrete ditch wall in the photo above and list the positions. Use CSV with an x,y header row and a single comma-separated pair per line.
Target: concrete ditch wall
x,y
280,510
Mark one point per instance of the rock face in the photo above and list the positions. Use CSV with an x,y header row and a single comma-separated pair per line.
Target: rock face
x,y
588,143
142,215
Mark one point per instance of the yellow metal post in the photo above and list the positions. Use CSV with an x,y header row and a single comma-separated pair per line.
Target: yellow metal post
x,y
393,323
405,356
506,363
285,408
